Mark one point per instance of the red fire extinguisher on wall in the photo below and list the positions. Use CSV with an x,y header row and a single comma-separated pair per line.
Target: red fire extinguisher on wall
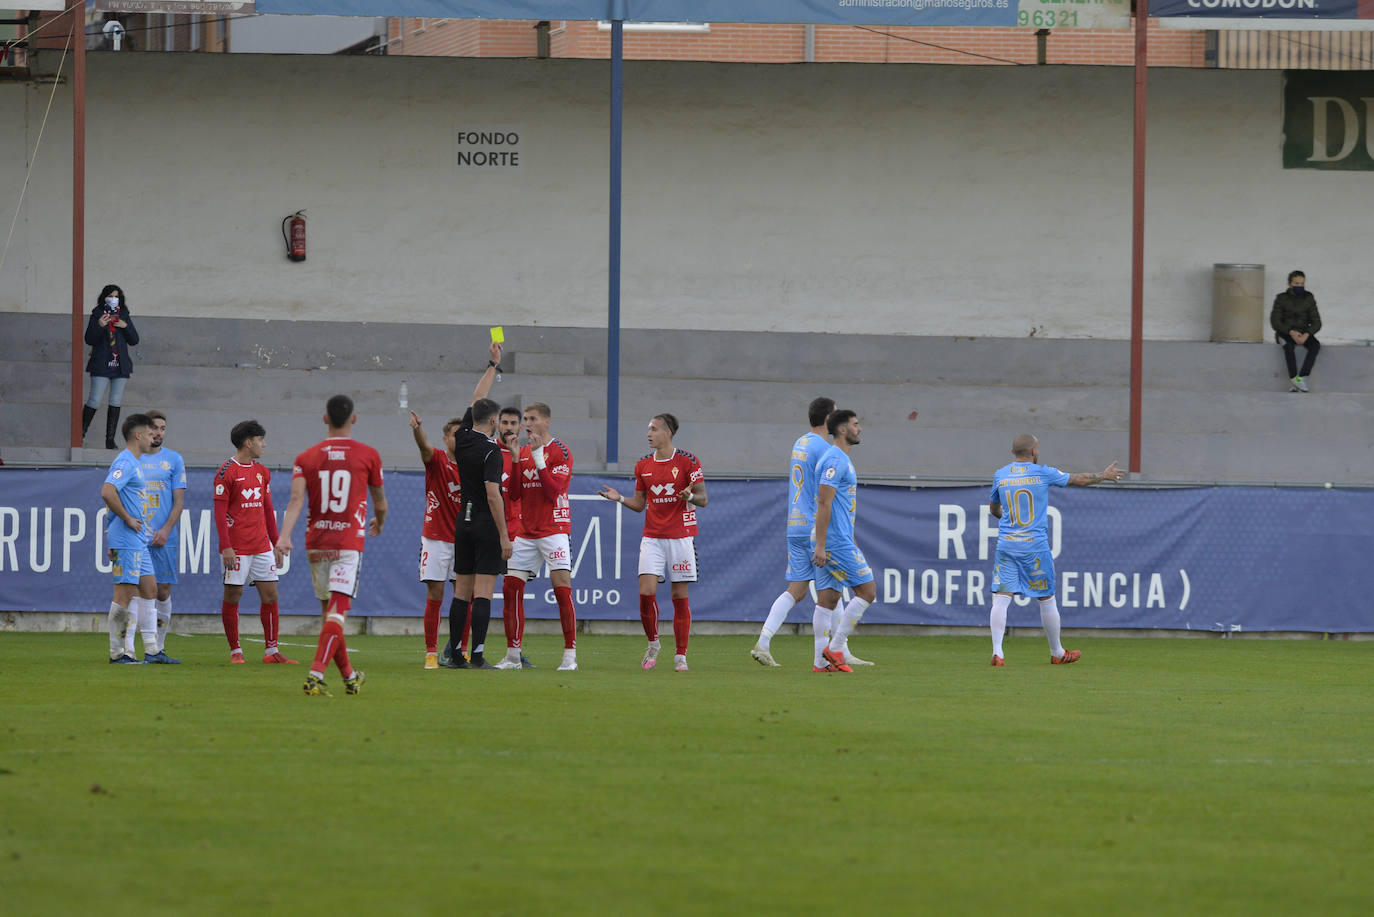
x,y
294,236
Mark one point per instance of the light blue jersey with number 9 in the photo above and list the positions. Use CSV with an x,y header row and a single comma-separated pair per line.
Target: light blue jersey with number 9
x,y
801,486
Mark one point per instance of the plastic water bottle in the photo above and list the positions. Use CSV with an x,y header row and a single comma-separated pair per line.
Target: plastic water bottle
x,y
404,398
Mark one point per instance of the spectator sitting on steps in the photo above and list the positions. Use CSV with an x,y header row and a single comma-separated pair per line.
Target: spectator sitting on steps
x,y
1295,321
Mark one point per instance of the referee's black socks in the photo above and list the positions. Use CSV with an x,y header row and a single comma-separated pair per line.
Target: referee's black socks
x,y
481,619
457,623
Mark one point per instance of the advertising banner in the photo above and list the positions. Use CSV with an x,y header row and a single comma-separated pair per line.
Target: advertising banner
x,y
1292,11
1328,120
1214,559
827,12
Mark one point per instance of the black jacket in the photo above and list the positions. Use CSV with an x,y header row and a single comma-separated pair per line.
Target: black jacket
x,y
1295,313
101,346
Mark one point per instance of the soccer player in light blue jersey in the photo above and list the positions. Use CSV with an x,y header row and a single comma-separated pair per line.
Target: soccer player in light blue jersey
x,y
128,534
164,475
1020,498
801,518
838,561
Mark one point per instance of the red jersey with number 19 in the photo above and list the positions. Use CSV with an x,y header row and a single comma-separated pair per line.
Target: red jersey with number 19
x,y
337,474
666,515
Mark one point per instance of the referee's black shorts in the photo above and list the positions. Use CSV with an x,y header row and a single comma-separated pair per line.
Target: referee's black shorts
x,y
477,549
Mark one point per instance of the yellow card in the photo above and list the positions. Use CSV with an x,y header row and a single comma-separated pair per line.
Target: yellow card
x,y
498,335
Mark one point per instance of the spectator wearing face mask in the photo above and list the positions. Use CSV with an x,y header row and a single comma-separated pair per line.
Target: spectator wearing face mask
x,y
1295,321
110,332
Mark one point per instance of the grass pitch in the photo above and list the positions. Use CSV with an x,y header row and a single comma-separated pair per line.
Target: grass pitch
x,y
1154,777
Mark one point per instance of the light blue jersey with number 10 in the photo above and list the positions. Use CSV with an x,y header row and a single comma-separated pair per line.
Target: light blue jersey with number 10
x,y
1023,489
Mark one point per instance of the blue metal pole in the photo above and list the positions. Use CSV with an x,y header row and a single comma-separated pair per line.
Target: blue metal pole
x,y
613,273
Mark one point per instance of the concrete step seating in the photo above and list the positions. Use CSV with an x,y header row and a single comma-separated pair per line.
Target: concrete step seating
x,y
936,408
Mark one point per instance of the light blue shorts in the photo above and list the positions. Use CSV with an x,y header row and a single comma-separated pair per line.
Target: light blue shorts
x,y
165,559
131,564
845,566
799,569
1024,574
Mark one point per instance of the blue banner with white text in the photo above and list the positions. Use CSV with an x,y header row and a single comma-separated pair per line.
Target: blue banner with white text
x,y
1212,559
819,12
1263,9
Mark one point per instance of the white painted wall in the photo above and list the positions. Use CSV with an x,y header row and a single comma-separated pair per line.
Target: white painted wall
x,y
906,199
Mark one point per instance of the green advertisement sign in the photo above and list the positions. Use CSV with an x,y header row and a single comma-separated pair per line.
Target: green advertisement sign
x,y
1328,120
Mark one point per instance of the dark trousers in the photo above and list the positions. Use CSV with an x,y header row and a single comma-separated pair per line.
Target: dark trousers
x,y
1313,346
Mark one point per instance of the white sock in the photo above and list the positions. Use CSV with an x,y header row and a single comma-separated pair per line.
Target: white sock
x,y
164,622
131,631
118,621
147,625
1049,619
776,615
998,621
847,622
820,624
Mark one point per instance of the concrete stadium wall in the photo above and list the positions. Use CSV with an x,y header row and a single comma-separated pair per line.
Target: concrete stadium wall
x,y
909,200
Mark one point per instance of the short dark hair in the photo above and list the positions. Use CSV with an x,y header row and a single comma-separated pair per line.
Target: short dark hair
x,y
132,423
245,430
156,415
1292,274
820,409
669,421
484,409
511,409
454,422
340,411
838,419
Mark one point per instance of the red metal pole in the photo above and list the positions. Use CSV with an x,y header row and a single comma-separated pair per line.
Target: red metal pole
x,y
78,211
1142,22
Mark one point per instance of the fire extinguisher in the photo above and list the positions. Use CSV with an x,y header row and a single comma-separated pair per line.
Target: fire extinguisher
x,y
295,236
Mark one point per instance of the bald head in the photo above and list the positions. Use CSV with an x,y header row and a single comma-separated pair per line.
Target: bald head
x,y
1023,447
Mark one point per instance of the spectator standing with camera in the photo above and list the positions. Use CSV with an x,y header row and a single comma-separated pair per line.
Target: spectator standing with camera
x,y
110,333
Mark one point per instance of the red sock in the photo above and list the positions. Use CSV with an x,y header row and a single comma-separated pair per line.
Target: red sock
x,y
339,605
467,631
331,638
512,612
648,616
229,615
270,620
567,616
433,609
682,624
341,657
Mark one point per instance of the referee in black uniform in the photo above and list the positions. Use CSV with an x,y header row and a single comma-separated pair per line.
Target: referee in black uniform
x,y
481,542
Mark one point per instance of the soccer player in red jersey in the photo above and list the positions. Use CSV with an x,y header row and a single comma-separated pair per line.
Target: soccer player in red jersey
x,y
671,484
247,528
332,480
513,588
543,472
443,496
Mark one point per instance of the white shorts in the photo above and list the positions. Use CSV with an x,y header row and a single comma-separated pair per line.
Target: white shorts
x,y
249,569
528,555
673,559
335,571
436,560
